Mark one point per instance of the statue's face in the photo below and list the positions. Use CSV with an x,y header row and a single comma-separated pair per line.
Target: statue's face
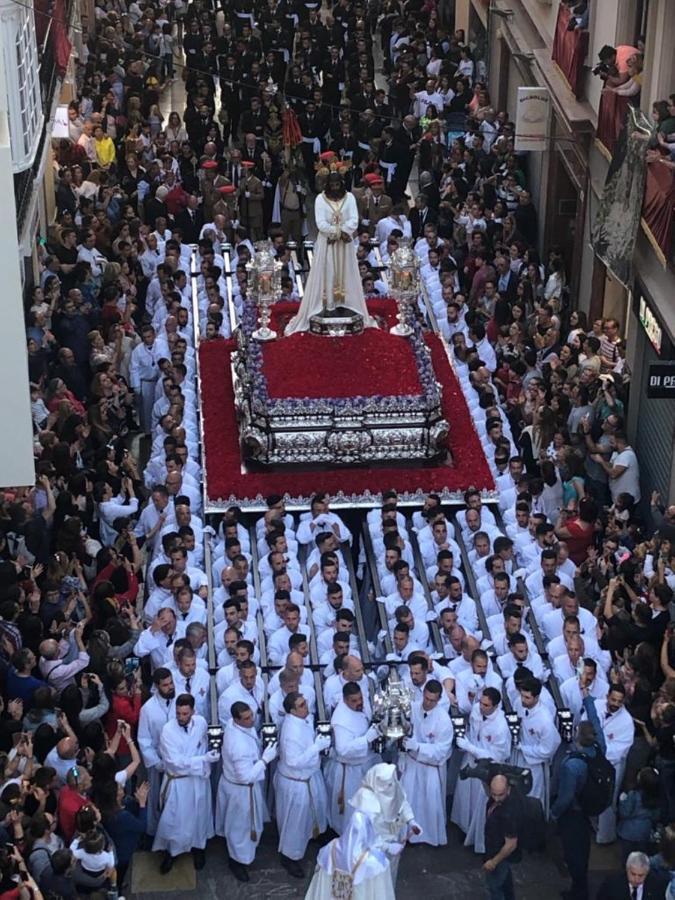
x,y
335,185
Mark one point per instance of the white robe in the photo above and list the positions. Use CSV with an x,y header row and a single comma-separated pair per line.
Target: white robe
x,y
334,267
539,740
350,759
619,732
491,739
424,773
300,791
354,853
155,713
240,803
186,819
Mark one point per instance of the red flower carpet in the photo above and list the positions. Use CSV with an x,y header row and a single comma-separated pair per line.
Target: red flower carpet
x,y
364,365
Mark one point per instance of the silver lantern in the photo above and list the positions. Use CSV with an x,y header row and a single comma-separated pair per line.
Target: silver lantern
x,y
391,710
265,282
404,278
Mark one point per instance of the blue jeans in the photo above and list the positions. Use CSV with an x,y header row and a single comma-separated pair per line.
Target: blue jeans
x,y
500,882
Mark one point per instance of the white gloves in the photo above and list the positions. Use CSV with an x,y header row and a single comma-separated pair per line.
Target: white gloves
x,y
270,753
520,573
431,616
410,745
393,848
212,756
464,744
322,742
392,657
372,734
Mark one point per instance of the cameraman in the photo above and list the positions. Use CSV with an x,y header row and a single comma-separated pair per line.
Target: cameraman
x,y
613,65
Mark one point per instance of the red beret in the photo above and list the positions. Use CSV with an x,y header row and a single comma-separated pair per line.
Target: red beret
x,y
209,164
227,189
372,178
247,164
327,156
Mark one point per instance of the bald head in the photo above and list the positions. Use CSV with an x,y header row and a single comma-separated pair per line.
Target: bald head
x,y
353,668
67,748
49,649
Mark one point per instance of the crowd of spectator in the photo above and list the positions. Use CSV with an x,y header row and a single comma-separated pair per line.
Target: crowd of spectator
x,y
103,560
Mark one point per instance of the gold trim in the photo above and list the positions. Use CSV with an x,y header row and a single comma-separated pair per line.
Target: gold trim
x,y
655,245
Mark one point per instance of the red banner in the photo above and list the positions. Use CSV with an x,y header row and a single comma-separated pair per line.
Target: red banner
x,y
569,51
658,207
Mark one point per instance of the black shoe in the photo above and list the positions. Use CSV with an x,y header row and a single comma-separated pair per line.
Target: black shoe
x,y
199,858
239,870
166,864
292,866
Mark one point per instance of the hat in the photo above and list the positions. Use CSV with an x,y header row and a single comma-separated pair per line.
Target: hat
x,y
372,178
209,164
247,164
227,189
327,156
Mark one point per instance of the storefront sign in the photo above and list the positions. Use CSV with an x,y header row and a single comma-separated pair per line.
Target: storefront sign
x,y
661,381
533,118
651,325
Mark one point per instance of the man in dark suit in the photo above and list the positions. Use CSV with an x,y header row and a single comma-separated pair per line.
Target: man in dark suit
x,y
190,220
635,883
408,136
421,215
507,280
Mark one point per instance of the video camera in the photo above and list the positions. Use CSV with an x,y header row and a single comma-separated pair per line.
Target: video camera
x,y
485,770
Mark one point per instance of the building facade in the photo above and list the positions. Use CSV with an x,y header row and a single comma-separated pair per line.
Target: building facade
x,y
34,53
568,178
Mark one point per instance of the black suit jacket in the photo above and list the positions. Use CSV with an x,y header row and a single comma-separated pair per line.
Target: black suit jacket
x,y
615,887
190,228
417,223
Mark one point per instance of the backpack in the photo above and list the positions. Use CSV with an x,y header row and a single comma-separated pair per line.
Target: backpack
x,y
596,795
531,821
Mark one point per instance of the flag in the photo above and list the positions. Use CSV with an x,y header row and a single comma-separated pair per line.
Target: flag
x,y
618,218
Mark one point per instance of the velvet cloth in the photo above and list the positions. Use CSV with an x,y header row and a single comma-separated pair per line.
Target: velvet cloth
x,y
569,51
223,464
658,206
611,118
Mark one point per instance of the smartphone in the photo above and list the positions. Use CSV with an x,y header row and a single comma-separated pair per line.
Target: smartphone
x,y
131,664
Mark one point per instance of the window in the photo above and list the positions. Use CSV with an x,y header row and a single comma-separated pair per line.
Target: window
x,y
24,103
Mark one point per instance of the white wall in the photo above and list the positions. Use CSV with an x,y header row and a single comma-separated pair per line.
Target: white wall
x,y
16,440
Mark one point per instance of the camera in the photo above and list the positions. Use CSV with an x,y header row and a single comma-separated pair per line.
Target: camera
x,y
601,70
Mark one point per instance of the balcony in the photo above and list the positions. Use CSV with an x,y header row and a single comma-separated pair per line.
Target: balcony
x,y
569,51
658,208
52,23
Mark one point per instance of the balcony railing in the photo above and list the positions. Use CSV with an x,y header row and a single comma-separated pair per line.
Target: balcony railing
x,y
52,26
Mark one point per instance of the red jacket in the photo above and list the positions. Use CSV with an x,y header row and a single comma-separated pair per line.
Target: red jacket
x,y
127,708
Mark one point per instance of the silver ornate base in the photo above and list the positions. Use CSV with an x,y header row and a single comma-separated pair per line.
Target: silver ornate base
x,y
336,322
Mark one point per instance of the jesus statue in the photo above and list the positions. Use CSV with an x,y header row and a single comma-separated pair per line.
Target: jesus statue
x,y
334,279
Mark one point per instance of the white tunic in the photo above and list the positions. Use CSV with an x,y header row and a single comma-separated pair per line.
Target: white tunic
x,y
424,772
335,268
300,791
240,803
619,732
186,819
350,759
155,713
539,740
490,739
